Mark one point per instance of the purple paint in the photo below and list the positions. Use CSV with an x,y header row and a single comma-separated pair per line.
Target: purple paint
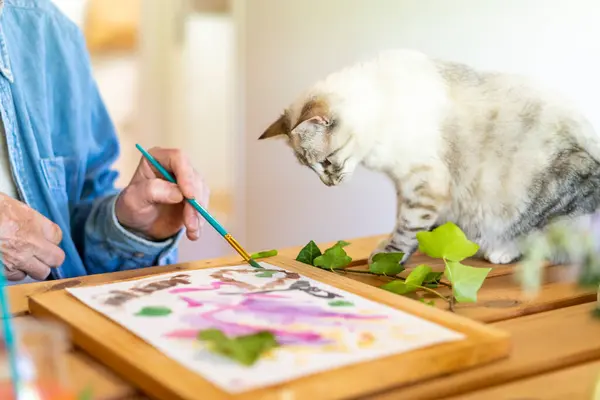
x,y
272,315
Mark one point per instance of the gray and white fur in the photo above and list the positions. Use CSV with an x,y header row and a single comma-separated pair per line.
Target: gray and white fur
x,y
494,153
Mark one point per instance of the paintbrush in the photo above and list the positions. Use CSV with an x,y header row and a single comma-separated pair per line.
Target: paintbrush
x,y
211,220
9,335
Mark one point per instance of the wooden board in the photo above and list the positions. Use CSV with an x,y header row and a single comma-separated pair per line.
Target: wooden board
x,y
541,343
501,296
163,378
574,383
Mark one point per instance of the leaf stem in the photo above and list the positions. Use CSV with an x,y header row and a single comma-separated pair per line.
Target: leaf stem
x,y
451,303
360,271
434,292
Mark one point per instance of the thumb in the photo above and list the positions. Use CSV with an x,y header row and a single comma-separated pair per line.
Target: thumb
x,y
158,191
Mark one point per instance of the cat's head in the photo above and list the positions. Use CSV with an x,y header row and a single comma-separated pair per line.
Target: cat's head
x,y
320,137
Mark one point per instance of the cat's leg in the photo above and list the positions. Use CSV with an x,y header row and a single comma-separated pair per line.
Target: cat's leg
x,y
421,199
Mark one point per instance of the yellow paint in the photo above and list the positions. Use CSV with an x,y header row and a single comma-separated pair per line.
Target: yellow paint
x,y
366,339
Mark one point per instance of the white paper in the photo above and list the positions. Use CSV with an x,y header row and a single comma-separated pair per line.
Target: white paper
x,y
318,326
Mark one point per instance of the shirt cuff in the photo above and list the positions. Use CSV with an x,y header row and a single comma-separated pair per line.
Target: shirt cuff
x,y
139,247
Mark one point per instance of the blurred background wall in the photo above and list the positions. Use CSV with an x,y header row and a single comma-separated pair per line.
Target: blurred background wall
x,y
210,75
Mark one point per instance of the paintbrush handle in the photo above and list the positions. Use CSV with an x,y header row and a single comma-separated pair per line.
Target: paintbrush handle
x,y
211,220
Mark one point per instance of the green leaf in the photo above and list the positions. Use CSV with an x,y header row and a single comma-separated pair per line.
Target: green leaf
x,y
264,254
433,277
333,258
446,241
466,281
399,287
417,275
266,274
341,303
157,311
342,243
429,303
387,264
245,349
308,253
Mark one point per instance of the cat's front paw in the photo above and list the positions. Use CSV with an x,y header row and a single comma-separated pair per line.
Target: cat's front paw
x,y
388,246
503,255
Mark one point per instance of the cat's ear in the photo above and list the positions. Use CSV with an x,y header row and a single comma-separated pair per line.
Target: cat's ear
x,y
279,127
315,115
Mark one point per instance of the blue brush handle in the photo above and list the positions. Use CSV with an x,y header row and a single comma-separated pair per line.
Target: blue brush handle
x,y
214,223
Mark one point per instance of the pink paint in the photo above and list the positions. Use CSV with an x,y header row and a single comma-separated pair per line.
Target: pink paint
x,y
213,286
191,302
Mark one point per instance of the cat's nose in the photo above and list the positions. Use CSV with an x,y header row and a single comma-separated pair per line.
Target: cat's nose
x,y
326,179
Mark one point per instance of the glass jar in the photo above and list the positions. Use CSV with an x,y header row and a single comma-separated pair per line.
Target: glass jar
x,y
43,374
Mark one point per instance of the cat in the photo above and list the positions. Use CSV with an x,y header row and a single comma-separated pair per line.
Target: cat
x,y
501,157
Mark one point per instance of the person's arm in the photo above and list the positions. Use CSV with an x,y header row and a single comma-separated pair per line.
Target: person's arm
x,y
104,245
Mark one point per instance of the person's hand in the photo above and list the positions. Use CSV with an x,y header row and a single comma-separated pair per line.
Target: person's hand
x,y
28,241
155,207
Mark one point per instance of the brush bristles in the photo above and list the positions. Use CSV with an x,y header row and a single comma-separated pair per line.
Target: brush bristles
x,y
254,263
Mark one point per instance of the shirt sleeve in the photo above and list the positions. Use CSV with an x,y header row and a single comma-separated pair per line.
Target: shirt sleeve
x,y
103,244
110,247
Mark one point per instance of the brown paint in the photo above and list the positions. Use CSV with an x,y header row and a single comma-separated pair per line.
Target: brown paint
x,y
119,297
221,275
66,284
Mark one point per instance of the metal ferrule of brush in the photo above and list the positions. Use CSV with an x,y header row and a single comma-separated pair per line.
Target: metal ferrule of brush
x,y
237,247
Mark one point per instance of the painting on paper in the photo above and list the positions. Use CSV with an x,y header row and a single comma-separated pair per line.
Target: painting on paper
x,y
319,327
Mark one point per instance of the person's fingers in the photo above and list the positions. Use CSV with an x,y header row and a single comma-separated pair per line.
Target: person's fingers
x,y
175,161
49,229
47,252
14,275
35,269
156,191
191,220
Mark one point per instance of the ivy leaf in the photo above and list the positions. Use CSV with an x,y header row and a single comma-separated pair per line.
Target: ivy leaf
x,y
413,281
245,349
433,278
264,254
158,311
418,275
266,274
399,287
446,241
308,253
333,258
387,263
466,281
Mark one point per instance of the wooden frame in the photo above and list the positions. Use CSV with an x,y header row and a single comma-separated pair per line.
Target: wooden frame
x,y
163,378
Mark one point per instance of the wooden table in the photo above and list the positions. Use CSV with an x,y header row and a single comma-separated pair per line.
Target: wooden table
x,y
556,342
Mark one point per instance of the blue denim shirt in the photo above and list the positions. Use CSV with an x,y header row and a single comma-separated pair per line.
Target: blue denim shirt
x,y
62,143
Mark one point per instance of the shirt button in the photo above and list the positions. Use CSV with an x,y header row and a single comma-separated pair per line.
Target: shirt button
x,y
138,255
